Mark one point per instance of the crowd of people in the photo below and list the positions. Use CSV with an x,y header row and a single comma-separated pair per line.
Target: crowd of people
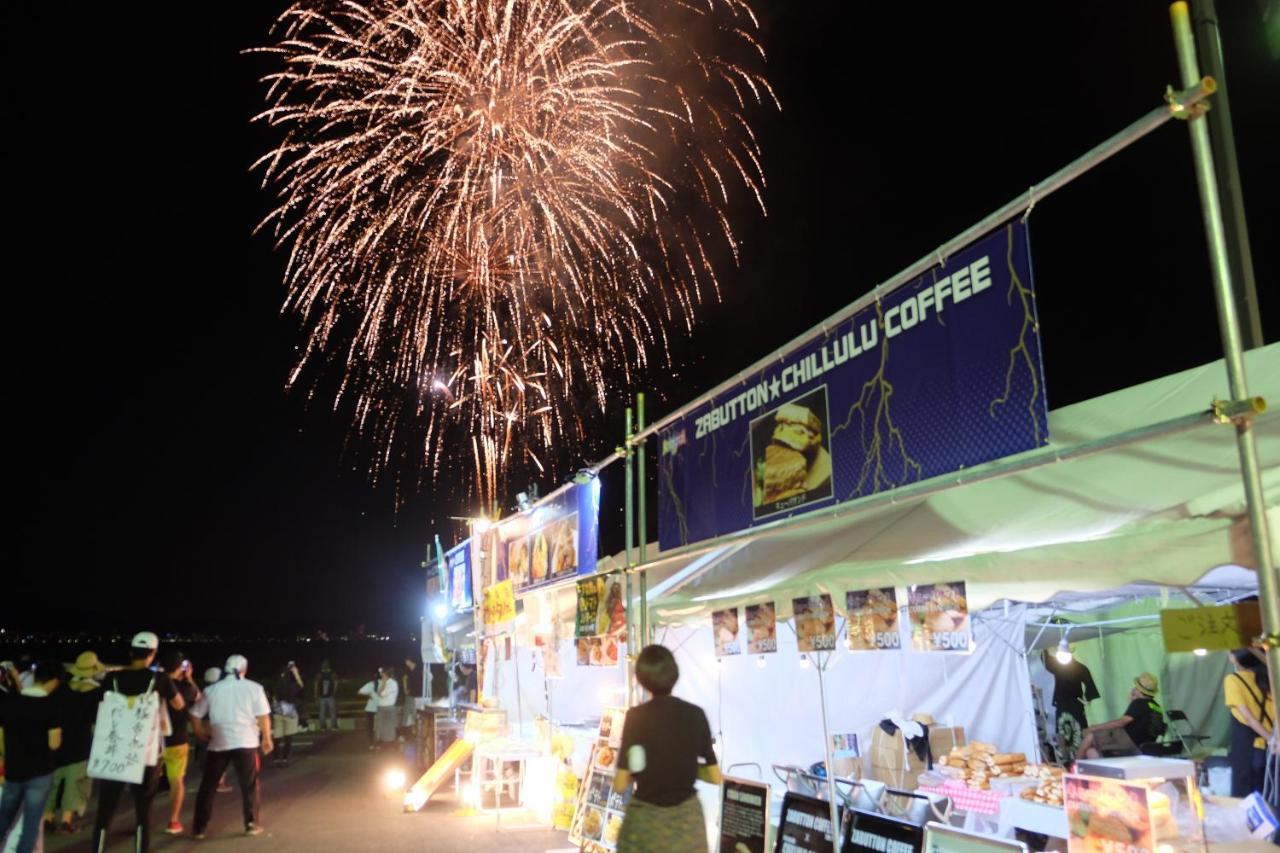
x,y
49,713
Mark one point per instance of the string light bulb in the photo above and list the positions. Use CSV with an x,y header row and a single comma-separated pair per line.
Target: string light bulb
x,y
1063,654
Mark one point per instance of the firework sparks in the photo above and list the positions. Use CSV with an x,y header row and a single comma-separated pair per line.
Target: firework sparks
x,y
498,209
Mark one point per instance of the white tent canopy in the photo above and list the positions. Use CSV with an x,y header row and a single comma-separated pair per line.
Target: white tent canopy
x,y
1164,508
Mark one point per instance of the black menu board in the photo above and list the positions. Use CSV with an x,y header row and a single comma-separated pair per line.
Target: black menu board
x,y
805,826
744,816
865,832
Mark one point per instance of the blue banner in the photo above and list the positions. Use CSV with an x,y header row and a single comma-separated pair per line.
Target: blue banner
x,y
943,374
555,539
457,575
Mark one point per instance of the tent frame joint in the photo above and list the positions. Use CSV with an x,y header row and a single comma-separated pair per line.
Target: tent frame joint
x,y
1238,412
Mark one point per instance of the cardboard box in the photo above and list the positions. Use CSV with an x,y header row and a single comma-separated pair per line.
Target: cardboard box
x,y
892,763
943,739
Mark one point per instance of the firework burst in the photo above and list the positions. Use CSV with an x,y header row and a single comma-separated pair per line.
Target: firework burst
x,y
497,212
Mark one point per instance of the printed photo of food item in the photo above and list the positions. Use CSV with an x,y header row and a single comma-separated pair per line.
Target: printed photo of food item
x,y
815,621
541,557
564,546
724,626
598,789
762,627
790,454
1105,815
612,828
611,722
518,561
939,617
606,757
592,823
873,619
612,618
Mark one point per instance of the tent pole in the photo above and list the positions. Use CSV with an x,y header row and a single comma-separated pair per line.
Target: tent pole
x,y
827,757
629,583
642,526
1229,329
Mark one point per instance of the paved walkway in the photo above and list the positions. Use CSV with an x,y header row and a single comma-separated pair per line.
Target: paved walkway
x,y
329,799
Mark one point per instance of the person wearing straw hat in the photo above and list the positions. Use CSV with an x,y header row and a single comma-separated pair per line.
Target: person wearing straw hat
x,y
1141,723
77,700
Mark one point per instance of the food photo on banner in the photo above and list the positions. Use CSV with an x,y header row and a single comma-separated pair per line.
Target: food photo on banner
x,y
457,561
555,539
601,628
815,622
942,374
872,616
725,627
939,617
762,628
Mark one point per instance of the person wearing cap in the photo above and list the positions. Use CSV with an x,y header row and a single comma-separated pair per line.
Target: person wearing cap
x,y
212,676
235,716
135,680
77,700
1141,723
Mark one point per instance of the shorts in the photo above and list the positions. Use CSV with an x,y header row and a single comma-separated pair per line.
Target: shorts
x,y
283,725
72,782
1113,743
175,761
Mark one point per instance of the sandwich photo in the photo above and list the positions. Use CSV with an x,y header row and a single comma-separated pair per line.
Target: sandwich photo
x,y
791,461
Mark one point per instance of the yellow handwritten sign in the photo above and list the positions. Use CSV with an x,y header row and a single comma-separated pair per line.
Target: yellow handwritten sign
x,y
499,603
1230,626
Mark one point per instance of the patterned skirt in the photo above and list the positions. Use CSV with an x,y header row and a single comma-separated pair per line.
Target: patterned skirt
x,y
647,828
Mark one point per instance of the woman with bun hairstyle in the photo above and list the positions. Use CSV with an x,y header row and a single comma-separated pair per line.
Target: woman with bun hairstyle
x,y
666,747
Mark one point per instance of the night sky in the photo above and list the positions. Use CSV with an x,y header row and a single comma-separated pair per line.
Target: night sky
x,y
164,476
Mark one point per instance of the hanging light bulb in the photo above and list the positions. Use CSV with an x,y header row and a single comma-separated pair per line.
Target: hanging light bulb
x,y
1200,652
760,662
804,661
1063,654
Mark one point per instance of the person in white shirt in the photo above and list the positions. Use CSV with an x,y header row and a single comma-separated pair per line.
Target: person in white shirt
x,y
370,690
388,716
234,716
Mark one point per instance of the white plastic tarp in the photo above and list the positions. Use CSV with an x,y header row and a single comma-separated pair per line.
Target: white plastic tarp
x,y
772,714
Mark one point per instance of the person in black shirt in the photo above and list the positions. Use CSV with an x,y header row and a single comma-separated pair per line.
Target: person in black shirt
x,y
177,745
326,691
1073,689
1141,723
32,735
666,747
77,700
135,680
287,711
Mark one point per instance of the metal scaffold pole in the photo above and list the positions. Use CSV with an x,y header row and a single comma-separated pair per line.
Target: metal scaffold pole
x,y
1233,355
646,636
629,581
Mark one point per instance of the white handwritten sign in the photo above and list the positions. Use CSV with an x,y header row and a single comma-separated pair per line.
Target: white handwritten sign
x,y
126,739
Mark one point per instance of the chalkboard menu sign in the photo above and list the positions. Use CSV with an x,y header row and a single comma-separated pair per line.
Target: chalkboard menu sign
x,y
744,816
865,832
805,826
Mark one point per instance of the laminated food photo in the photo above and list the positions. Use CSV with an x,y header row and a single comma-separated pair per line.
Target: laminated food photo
x,y
791,456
